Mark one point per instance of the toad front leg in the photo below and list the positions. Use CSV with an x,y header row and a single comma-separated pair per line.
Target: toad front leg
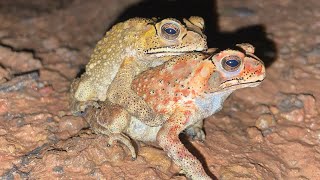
x,y
196,132
168,139
78,108
120,93
111,120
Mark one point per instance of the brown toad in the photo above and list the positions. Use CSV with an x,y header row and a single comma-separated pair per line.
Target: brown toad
x,y
184,90
126,50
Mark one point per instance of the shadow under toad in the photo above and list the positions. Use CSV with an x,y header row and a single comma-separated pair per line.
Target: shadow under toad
x,y
255,35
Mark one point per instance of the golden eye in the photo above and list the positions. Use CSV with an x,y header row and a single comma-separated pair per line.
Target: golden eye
x,y
170,31
231,63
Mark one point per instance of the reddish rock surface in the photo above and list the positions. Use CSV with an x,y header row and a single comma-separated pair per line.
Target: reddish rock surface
x,y
268,132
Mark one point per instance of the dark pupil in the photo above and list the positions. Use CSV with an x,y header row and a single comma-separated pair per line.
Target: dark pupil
x,y
170,31
232,63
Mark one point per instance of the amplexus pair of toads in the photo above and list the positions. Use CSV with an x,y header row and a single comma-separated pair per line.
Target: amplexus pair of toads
x,y
150,80
126,50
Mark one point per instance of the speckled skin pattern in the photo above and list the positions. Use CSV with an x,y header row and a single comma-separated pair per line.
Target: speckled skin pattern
x,y
184,90
126,50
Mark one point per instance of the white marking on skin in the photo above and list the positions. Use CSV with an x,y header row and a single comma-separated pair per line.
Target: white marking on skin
x,y
130,52
140,131
211,103
204,72
167,54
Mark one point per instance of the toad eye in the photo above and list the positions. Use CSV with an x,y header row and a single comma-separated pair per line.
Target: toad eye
x,y
170,31
231,63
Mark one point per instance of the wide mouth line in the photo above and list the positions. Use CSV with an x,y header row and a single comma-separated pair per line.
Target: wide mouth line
x,y
246,82
231,87
258,81
175,52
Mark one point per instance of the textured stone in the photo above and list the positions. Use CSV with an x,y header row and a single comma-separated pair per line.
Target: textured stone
x,y
62,34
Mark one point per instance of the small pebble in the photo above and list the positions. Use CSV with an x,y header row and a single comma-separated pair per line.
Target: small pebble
x,y
274,110
20,122
254,134
289,102
62,113
3,132
262,109
265,121
309,103
296,115
58,169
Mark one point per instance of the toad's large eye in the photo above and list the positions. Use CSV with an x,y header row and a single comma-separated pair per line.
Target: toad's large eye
x,y
170,31
231,63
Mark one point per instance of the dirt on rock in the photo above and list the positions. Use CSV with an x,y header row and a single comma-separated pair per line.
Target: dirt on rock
x,y
268,132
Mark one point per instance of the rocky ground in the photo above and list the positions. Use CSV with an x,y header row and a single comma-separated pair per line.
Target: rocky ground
x,y
268,132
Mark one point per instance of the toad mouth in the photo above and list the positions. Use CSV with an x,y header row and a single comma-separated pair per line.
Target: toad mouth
x,y
176,53
242,85
172,52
